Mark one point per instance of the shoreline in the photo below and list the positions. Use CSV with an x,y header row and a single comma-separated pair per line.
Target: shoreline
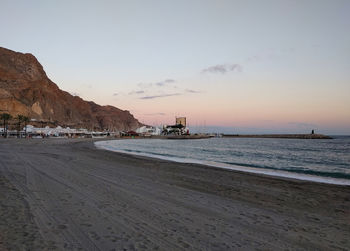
x,y
236,168
83,197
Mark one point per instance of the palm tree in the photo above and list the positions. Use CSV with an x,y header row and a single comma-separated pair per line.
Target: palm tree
x,y
20,119
25,120
5,117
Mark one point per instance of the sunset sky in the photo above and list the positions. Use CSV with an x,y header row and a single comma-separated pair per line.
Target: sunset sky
x,y
236,66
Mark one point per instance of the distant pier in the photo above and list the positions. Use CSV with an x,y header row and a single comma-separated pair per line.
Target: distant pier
x,y
279,136
190,136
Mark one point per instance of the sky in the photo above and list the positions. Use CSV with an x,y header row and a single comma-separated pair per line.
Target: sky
x,y
272,66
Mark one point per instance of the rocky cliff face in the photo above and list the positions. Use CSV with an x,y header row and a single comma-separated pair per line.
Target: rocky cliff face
x,y
25,89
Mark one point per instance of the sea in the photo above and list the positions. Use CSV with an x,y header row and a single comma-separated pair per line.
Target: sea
x,y
318,160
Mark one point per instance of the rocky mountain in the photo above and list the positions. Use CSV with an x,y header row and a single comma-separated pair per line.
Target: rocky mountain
x,y
25,89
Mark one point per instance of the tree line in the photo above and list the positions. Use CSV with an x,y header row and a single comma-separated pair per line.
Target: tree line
x,y
5,117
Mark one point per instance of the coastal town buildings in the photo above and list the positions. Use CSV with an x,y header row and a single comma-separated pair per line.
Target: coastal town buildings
x,y
56,132
32,131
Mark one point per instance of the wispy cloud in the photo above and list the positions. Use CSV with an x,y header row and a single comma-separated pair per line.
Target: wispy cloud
x,y
115,94
162,89
136,92
165,82
159,84
161,96
223,68
192,91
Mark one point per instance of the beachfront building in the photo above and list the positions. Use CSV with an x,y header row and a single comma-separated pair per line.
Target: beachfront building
x,y
175,130
148,130
59,132
179,128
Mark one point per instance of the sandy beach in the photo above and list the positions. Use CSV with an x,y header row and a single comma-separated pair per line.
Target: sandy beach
x,y
65,194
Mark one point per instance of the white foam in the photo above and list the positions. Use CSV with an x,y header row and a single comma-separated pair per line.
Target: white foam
x,y
275,173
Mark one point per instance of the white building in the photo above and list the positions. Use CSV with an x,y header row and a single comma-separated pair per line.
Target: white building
x,y
56,132
149,130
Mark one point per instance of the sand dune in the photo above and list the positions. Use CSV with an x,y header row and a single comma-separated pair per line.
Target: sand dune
x,y
65,194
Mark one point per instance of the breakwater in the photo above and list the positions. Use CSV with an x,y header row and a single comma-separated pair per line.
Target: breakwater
x,y
280,136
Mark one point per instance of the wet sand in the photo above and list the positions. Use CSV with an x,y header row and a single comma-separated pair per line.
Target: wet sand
x,y
67,195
